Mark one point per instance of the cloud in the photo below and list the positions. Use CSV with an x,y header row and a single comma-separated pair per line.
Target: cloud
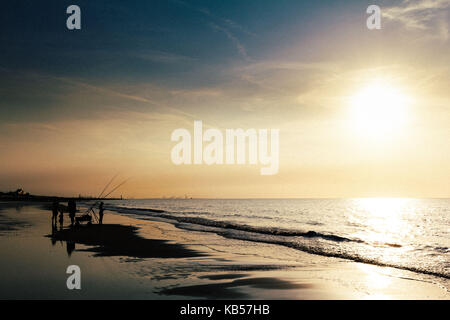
x,y
230,23
421,15
30,96
224,25
163,57
239,46
106,91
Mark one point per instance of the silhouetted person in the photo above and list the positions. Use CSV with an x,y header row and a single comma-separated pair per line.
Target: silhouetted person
x,y
61,217
55,207
72,208
100,213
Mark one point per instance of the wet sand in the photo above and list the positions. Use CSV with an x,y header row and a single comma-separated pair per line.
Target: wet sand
x,y
119,240
225,290
130,258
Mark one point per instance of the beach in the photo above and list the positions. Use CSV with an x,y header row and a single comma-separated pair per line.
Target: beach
x,y
129,258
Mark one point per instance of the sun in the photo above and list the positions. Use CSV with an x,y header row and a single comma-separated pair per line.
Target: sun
x,y
379,110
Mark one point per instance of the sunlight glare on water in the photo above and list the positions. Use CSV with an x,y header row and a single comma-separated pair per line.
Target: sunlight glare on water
x,y
385,218
402,233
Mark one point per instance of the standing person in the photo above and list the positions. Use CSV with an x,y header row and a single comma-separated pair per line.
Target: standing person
x,y
72,207
100,213
61,217
55,207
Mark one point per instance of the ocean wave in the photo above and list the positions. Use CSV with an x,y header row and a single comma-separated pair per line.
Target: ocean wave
x,y
338,254
244,227
284,237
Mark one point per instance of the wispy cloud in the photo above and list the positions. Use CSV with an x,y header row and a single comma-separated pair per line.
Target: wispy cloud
x,y
224,25
163,57
239,46
421,15
134,97
225,21
207,12
105,91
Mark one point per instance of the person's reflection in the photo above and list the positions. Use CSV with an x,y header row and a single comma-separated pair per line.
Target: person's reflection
x,y
55,236
70,247
19,207
54,230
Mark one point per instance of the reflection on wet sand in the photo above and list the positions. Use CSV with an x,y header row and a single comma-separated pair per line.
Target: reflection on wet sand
x,y
171,263
233,289
119,240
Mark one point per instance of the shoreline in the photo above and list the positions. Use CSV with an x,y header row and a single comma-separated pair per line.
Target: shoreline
x,y
156,260
157,214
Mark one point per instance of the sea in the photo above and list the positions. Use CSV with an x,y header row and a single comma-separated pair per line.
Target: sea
x,y
409,234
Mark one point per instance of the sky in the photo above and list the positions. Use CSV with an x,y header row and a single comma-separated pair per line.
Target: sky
x,y
80,106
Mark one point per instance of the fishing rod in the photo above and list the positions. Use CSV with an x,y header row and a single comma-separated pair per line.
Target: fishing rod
x,y
106,187
117,187
91,208
93,213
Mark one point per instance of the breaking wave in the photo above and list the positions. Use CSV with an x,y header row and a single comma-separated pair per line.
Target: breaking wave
x,y
313,242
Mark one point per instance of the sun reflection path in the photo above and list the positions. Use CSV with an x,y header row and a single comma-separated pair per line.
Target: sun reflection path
x,y
385,219
375,284
385,225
